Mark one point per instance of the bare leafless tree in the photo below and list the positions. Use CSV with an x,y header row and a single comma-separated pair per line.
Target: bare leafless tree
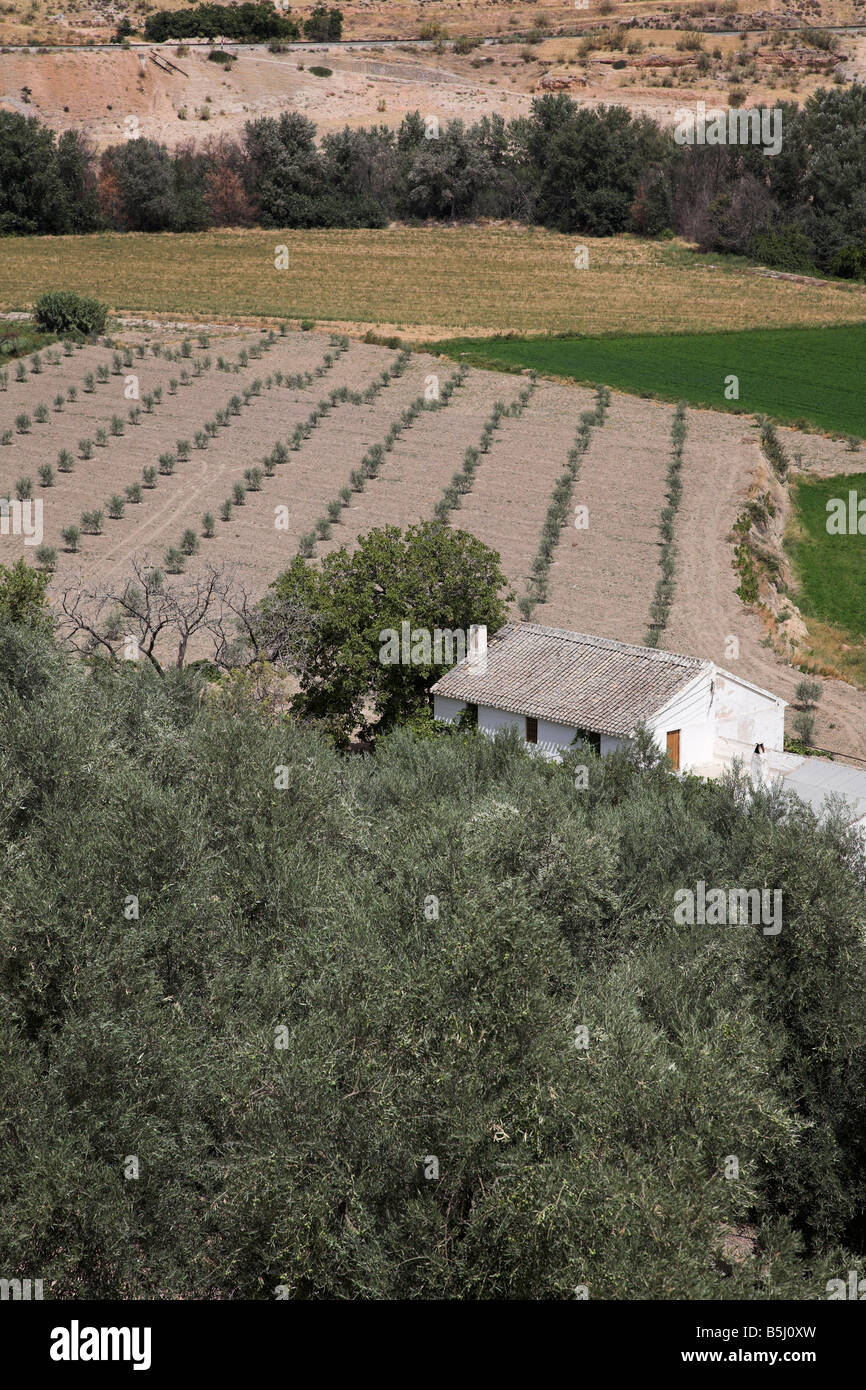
x,y
145,614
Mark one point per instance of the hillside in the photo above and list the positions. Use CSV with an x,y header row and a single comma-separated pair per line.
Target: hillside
x,y
650,70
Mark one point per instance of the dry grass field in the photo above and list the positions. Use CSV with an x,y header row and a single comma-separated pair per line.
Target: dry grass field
x,y
40,21
421,283
602,578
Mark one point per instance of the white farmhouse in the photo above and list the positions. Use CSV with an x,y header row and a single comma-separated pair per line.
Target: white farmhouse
x,y
554,685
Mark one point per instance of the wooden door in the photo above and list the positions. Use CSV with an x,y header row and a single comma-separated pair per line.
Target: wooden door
x,y
673,742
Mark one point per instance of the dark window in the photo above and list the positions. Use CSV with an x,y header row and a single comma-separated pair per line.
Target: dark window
x,y
531,729
587,736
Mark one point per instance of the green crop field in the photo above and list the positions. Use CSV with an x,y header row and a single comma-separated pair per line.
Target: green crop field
x,y
831,569
808,376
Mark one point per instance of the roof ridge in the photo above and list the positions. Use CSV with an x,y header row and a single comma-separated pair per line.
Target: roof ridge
x,y
612,643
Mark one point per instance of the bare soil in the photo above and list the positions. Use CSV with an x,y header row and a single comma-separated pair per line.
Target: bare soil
x,y
602,578
110,95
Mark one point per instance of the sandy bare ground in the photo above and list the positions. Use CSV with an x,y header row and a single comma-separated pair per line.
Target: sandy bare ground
x,y
508,503
607,572
99,93
111,96
420,466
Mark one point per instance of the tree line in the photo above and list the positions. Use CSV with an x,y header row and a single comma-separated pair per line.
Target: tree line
x,y
246,23
573,170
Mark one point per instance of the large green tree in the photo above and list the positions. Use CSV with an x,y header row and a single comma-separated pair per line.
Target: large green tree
x,y
46,183
430,577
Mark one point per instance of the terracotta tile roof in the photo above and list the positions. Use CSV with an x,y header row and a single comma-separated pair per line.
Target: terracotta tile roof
x,y
583,682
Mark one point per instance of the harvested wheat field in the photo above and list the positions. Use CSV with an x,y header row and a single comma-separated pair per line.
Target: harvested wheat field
x,y
264,434
423,282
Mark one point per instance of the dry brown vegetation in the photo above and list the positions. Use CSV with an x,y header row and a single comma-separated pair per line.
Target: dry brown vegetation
x,y
424,283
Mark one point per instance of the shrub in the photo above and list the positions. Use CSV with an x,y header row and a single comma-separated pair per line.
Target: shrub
x,y
65,461
117,426
133,493
101,438
189,543
46,557
22,424
167,464
5,437
64,311
40,413
804,727
808,693
239,494
24,489
148,476
182,447
59,402
85,448
226,511
174,560
46,475
92,522
71,535
208,525
850,262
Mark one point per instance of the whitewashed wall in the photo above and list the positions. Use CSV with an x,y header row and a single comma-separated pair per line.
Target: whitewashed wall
x,y
553,738
748,715
446,708
691,711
